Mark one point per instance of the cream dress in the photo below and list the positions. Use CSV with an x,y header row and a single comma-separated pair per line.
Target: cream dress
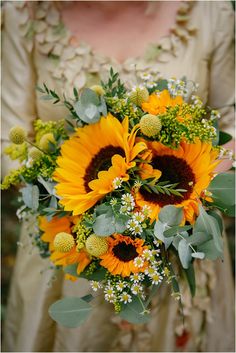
x,y
38,48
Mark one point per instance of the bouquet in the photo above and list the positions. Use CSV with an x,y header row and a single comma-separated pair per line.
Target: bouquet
x,y
124,191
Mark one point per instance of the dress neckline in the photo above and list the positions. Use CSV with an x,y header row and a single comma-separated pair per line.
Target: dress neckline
x,y
181,30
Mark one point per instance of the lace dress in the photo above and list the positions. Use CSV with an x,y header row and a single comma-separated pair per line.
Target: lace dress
x,y
38,48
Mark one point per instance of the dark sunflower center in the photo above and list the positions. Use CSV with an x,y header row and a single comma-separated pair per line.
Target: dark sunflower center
x,y
125,252
101,161
174,170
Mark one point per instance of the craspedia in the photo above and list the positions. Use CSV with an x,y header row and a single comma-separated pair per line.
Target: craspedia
x,y
98,89
17,135
44,141
35,153
96,246
139,95
64,242
150,125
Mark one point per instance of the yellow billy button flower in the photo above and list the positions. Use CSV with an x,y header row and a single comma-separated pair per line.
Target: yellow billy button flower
x,y
96,246
139,95
98,89
45,139
17,135
64,242
35,153
150,125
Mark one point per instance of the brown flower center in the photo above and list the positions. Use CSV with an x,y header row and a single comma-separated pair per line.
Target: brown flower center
x,y
101,161
125,252
174,170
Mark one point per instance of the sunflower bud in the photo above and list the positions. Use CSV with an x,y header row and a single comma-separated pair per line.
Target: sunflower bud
x,y
96,246
44,141
98,89
64,242
139,95
150,125
17,135
35,153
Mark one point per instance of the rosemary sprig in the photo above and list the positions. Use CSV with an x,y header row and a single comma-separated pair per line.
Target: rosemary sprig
x,y
164,187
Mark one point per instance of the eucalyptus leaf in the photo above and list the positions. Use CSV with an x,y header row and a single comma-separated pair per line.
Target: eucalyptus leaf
x,y
91,111
48,185
104,225
210,250
190,276
171,215
70,312
88,96
133,312
185,253
30,195
222,188
176,229
159,229
198,255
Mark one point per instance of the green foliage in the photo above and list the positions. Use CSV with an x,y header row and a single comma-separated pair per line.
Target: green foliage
x,y
90,106
13,178
114,87
30,195
107,222
190,276
97,275
222,187
70,312
163,187
134,312
224,137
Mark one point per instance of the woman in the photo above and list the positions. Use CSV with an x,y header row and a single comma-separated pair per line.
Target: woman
x,y
75,44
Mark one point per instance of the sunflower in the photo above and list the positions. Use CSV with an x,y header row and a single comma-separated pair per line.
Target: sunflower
x,y
90,161
191,166
158,102
58,225
122,251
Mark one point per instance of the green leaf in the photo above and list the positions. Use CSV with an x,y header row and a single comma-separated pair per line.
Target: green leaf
x,y
190,276
198,238
48,185
222,188
224,137
88,96
104,225
133,312
210,250
171,215
71,270
70,312
159,229
175,229
30,195
185,253
227,210
218,218
198,255
97,275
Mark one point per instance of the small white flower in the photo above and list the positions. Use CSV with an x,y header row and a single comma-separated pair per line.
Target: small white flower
x,y
125,298
117,183
146,210
113,202
134,227
150,271
128,201
138,217
138,261
149,255
136,288
157,243
156,278
137,277
120,286
95,285
124,210
145,76
111,298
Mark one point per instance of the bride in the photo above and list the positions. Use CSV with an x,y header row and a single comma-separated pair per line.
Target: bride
x,y
73,44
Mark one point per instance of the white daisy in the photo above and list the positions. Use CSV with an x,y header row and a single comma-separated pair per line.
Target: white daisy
x,y
138,261
117,182
125,298
95,285
136,288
